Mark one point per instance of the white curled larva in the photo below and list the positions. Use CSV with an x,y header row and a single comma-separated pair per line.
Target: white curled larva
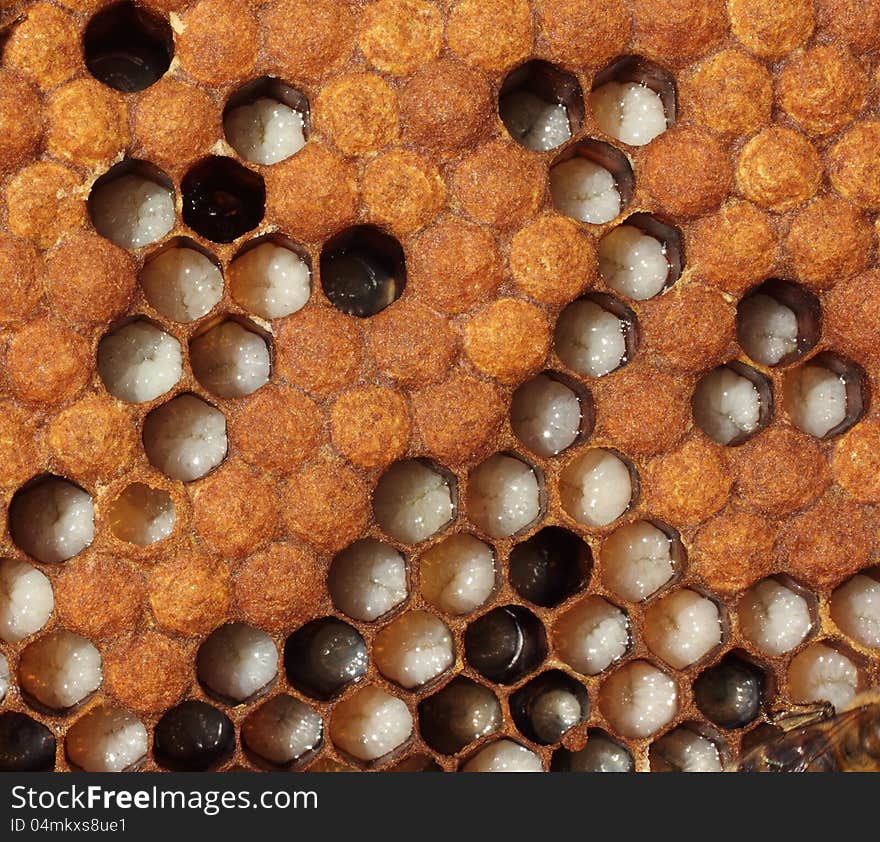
x,y
367,579
683,750
591,635
182,283
412,501
590,339
767,329
282,730
727,405
4,677
370,723
637,560
236,661
457,575
106,740
638,699
265,131
534,122
585,191
230,360
504,756
855,607
631,112
815,399
413,649
633,263
774,617
682,627
503,495
26,600
545,415
60,669
822,674
596,487
139,362
132,211
270,281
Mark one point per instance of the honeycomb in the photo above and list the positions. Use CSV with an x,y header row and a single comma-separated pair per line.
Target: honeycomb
x,y
764,181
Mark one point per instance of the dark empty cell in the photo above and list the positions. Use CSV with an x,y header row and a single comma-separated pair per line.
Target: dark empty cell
x,y
417,763
362,271
25,745
600,754
548,706
193,737
324,656
460,713
550,566
127,48
222,200
730,693
505,644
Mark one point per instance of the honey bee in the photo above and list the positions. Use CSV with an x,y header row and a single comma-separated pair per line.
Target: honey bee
x,y
819,741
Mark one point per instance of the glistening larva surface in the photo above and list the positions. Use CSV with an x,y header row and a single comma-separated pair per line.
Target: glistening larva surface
x,y
256,463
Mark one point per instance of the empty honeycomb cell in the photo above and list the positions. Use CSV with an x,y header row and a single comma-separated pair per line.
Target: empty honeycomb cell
x,y
820,673
231,359
182,282
52,519
639,558
823,397
85,586
19,264
367,579
541,106
592,183
733,550
413,649
403,190
684,750
596,487
460,713
139,362
370,723
778,169
506,644
546,415
770,30
682,627
548,706
657,410
504,495
774,617
689,191
44,46
323,657
855,608
21,119
855,461
190,594
458,575
26,600
142,515
509,21
222,200
504,756
640,258
552,259
595,336
282,731
326,504
400,36
236,662
730,93
175,122
25,744
147,672
185,438
270,279
778,472
60,670
44,201
308,40
852,168
582,32
217,41
732,403
413,501
106,739
730,694
127,48
600,754
266,121
446,106
550,566
500,184
638,699
629,111
86,123
829,240
591,635
778,322
193,737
